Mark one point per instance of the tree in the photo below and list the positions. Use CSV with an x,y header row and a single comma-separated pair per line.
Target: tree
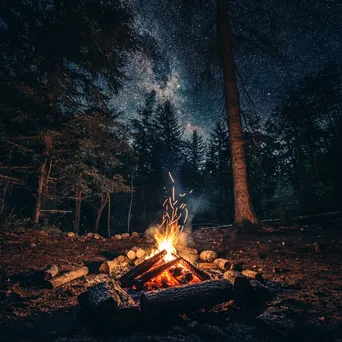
x,y
218,175
170,135
245,218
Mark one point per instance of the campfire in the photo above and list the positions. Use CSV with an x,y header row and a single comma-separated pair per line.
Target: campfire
x,y
167,268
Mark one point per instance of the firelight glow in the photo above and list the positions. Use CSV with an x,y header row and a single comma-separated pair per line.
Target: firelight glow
x,y
168,232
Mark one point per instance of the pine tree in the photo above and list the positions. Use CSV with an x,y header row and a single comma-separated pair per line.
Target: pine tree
x,y
244,215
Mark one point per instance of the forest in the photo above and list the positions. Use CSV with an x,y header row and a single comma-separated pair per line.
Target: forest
x,y
71,160
117,118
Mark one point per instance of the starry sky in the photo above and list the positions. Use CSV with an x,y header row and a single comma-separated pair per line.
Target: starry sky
x,y
276,43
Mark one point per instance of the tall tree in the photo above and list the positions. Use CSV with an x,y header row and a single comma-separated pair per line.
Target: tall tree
x,y
245,218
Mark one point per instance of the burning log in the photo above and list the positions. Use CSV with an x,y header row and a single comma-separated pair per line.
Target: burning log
x,y
128,278
240,282
188,276
253,275
223,264
199,273
207,265
66,277
99,300
186,298
176,272
155,272
208,256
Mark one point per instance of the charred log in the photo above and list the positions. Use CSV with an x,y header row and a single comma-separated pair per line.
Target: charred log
x,y
186,298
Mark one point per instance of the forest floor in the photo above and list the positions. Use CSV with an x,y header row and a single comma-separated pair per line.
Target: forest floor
x,y
306,261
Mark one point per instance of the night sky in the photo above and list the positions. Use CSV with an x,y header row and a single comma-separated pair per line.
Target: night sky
x,y
276,43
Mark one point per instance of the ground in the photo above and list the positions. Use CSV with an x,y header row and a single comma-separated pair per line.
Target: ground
x,y
305,261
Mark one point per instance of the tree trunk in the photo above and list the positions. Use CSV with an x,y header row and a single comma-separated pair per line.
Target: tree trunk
x,y
245,218
99,213
108,218
41,183
77,211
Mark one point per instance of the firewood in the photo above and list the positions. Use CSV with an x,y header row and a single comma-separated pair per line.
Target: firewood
x,y
189,254
188,276
110,267
99,300
117,236
139,252
66,277
240,282
208,256
199,273
223,264
253,275
176,272
138,261
135,234
50,272
126,299
125,235
138,270
131,255
206,265
186,298
155,272
121,259
236,267
261,292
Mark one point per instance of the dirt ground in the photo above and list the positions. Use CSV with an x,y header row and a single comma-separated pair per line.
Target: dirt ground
x,y
305,261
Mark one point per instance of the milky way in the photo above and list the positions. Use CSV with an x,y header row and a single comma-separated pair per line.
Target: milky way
x,y
276,43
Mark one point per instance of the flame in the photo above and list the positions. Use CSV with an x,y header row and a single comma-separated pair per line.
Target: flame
x,y
168,232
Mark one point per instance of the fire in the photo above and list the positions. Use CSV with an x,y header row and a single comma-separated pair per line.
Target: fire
x,y
174,218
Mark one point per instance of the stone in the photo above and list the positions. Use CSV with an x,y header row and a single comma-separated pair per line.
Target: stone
x,y
96,236
70,234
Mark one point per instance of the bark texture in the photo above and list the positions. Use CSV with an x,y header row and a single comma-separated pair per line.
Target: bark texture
x,y
186,298
244,216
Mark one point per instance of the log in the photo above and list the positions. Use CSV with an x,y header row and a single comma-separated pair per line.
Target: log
x,y
253,275
176,272
189,254
207,265
199,273
125,235
66,277
50,272
188,276
240,282
236,267
117,236
99,301
155,272
261,292
126,299
131,255
208,256
186,298
110,267
128,278
139,252
138,261
121,258
223,264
